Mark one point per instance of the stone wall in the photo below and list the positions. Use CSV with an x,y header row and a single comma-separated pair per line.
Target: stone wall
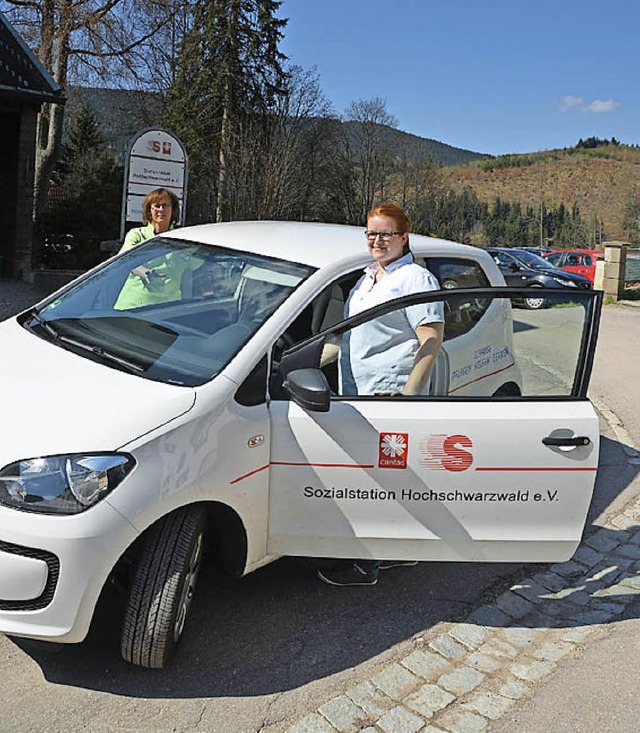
x,y
610,272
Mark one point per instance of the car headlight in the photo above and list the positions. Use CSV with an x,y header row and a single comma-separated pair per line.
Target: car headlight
x,y
565,283
67,484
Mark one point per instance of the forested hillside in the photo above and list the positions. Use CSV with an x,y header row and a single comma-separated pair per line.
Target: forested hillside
x,y
603,182
123,112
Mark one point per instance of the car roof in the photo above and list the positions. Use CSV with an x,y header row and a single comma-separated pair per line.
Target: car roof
x,y
507,249
580,251
510,250
308,243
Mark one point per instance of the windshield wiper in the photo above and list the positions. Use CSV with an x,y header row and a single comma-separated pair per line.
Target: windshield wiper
x,y
45,324
130,366
98,351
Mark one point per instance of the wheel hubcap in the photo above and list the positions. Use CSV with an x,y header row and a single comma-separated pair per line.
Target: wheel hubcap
x,y
535,302
188,587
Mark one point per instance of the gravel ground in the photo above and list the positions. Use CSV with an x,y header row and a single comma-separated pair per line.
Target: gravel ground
x,y
15,296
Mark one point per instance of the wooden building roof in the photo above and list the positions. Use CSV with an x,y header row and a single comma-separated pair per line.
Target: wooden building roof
x,y
22,76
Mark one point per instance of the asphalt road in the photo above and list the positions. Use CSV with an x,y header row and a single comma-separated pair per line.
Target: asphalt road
x,y
268,647
547,345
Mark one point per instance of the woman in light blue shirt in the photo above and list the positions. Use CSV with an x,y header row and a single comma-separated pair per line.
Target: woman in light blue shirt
x,y
392,354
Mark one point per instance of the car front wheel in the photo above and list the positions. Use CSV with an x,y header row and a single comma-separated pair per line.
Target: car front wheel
x,y
534,302
163,586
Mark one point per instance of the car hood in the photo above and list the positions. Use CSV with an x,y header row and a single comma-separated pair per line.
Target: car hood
x,y
54,401
573,276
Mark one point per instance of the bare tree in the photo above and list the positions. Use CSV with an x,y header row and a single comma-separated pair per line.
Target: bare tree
x,y
420,189
275,159
294,157
369,142
87,41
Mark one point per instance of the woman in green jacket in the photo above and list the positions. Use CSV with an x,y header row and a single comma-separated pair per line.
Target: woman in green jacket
x,y
157,281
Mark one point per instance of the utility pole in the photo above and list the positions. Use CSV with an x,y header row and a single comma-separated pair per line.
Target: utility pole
x,y
541,226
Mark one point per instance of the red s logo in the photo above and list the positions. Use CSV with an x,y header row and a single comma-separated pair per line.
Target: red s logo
x,y
447,452
457,458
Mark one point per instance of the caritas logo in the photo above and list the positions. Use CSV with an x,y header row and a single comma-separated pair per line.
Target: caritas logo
x,y
392,450
446,453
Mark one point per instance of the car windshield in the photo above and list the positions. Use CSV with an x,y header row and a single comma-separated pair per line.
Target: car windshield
x,y
533,261
168,310
554,258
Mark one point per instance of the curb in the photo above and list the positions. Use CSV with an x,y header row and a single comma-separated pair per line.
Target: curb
x,y
629,303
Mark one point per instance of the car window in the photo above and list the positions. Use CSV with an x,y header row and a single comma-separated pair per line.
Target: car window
x,y
455,272
503,259
462,314
556,259
327,309
531,260
493,348
185,324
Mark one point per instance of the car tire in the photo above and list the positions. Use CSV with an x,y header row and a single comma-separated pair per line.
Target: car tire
x,y
534,303
162,589
509,389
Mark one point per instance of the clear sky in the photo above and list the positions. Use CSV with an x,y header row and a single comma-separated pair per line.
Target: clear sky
x,y
500,76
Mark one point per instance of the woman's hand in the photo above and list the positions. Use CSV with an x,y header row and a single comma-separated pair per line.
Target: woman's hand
x,y
142,272
146,275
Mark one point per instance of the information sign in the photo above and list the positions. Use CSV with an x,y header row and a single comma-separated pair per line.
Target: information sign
x,y
156,159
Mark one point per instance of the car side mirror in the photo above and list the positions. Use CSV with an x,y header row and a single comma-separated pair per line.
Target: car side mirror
x,y
309,389
514,266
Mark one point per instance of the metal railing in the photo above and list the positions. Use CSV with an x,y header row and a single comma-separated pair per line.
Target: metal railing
x,y
632,270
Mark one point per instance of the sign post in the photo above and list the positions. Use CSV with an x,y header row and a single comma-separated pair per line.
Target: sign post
x,y
156,159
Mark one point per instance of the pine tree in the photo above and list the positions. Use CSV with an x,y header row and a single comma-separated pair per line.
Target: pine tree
x,y
229,76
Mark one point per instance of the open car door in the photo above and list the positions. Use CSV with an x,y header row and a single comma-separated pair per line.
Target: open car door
x,y
496,462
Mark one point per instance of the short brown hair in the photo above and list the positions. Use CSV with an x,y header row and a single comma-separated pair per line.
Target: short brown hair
x,y
154,197
394,212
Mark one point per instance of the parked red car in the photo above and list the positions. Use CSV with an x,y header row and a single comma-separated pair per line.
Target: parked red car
x,y
580,261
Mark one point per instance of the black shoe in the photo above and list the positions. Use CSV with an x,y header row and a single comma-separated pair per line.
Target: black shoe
x,y
388,564
345,574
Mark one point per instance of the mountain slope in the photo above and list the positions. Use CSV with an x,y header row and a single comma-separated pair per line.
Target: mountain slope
x,y
600,181
123,112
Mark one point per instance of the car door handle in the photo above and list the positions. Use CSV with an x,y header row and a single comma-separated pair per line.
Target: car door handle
x,y
563,442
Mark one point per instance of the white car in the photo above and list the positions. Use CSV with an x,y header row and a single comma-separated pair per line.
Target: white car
x,y
134,438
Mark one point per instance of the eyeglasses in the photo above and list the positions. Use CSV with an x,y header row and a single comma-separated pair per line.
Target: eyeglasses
x,y
157,207
384,236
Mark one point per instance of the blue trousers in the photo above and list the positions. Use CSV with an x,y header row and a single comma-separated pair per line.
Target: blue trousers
x,y
369,566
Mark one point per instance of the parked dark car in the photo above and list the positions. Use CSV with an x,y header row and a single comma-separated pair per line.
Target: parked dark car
x,y
522,268
542,251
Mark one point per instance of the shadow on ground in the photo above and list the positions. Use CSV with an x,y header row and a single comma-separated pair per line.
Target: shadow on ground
x,y
280,628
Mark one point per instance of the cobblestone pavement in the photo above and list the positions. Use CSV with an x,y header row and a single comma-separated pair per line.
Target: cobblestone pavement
x,y
469,674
